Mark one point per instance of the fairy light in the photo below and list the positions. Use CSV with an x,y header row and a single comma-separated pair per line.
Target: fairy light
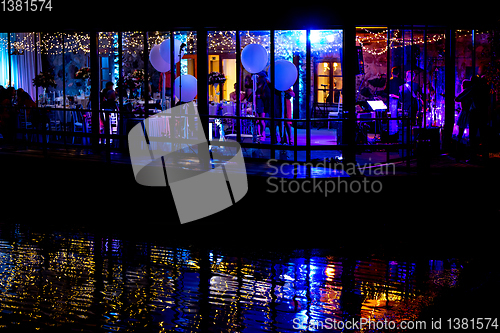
x,y
287,42
378,41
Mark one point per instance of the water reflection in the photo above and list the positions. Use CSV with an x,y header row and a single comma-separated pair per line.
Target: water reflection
x,y
75,280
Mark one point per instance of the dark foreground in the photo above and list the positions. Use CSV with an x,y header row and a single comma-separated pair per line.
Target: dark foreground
x,y
454,208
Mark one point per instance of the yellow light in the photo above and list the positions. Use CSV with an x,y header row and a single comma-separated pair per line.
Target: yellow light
x,y
325,67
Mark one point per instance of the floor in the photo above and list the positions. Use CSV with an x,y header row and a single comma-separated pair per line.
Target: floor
x,y
319,137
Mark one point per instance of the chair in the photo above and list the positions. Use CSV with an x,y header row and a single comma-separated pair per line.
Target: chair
x,y
107,116
229,122
54,124
23,122
332,115
335,115
77,124
113,125
87,125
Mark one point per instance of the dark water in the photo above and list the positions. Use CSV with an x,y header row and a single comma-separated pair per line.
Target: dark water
x,y
60,281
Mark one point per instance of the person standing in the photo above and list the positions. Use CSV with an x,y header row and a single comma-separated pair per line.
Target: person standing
x,y
8,114
410,97
263,99
479,115
287,114
465,99
392,89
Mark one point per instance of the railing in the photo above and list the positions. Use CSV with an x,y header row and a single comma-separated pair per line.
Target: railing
x,y
36,127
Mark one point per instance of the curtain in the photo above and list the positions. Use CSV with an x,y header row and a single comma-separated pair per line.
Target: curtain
x,y
23,59
4,60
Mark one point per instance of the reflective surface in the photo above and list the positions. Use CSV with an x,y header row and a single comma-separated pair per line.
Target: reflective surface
x,y
79,281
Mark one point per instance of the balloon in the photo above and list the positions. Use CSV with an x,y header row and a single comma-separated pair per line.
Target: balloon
x,y
254,58
285,74
157,61
189,87
165,50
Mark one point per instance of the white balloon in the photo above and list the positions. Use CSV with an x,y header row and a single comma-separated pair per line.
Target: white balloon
x,y
254,58
189,87
165,50
285,74
157,61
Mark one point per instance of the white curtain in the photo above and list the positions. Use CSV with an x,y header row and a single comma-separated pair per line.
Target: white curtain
x,y
23,65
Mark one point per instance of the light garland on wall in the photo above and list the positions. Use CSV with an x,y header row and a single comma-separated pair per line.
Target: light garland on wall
x,y
397,41
288,42
188,37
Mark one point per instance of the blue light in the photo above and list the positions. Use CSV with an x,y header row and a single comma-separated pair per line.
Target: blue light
x,y
314,37
4,60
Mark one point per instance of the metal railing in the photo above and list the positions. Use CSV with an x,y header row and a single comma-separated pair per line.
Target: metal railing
x,y
38,128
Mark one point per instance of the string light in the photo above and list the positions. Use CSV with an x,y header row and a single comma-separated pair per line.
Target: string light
x,y
394,42
287,42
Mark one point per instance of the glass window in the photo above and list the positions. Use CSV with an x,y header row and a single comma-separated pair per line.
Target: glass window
x,y
223,85
25,61
159,80
290,45
51,46
77,69
109,71
187,63
326,91
464,70
256,130
374,94
132,83
404,106
435,78
4,59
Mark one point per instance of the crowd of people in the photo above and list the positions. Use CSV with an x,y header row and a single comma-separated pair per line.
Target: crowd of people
x,y
475,100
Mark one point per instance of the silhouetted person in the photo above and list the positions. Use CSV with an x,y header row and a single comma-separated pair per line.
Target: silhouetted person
x,y
24,99
409,96
478,119
262,102
108,97
38,117
232,96
394,82
465,99
108,102
288,114
7,114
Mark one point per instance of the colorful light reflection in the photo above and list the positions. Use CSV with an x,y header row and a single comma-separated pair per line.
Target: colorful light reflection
x,y
78,281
